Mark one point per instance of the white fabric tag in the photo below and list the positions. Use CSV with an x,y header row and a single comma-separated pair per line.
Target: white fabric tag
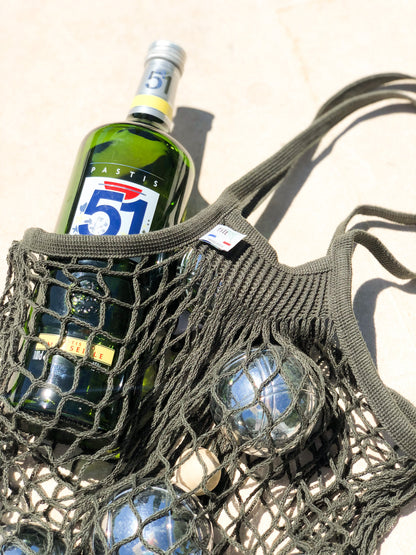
x,y
222,237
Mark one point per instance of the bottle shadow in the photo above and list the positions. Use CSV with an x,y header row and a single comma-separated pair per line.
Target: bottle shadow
x,y
191,128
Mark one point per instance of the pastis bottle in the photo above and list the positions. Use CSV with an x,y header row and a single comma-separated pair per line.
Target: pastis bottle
x,y
129,177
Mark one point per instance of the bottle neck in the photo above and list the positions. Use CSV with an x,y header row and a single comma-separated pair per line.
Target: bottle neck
x,y
154,100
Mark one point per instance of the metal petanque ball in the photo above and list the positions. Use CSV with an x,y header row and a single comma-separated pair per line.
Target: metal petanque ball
x,y
180,525
265,401
32,537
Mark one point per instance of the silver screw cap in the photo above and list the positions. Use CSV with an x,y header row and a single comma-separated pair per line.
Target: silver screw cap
x,y
169,51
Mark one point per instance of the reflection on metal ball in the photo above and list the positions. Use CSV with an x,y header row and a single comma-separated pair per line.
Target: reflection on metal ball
x,y
192,260
31,536
266,400
181,526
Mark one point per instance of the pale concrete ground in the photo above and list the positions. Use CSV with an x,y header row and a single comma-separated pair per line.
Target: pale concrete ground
x,y
255,76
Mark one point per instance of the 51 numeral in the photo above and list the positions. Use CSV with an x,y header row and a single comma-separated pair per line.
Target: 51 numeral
x,y
138,208
156,79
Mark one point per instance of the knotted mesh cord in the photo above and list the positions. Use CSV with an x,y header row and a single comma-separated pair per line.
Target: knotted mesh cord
x,y
336,489
340,487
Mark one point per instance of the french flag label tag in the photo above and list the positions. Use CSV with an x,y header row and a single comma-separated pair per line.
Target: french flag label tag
x,y
222,237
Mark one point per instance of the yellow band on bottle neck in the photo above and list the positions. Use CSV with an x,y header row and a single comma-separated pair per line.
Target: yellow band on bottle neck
x,y
153,102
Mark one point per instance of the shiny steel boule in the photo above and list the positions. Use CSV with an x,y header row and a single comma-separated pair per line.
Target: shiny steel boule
x,y
264,399
31,536
181,525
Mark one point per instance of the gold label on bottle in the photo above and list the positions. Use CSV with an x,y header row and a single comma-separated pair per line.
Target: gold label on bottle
x,y
77,347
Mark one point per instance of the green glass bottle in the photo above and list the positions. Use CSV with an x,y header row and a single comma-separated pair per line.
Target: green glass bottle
x,y
130,177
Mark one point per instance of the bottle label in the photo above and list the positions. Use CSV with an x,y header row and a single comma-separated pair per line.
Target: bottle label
x,y
113,207
77,347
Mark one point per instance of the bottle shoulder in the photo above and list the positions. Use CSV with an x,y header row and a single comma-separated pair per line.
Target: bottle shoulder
x,y
131,132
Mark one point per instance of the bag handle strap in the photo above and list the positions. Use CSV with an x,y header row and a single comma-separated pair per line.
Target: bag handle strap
x,y
396,413
372,243
248,191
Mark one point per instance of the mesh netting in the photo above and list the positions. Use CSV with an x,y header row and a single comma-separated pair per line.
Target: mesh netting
x,y
117,373
160,396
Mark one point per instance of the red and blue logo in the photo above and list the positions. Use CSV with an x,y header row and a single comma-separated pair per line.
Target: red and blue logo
x,y
129,191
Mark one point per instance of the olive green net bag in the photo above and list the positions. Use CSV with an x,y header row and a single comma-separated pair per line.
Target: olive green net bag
x,y
124,360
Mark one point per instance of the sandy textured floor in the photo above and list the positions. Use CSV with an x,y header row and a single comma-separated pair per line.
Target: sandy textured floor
x,y
257,72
